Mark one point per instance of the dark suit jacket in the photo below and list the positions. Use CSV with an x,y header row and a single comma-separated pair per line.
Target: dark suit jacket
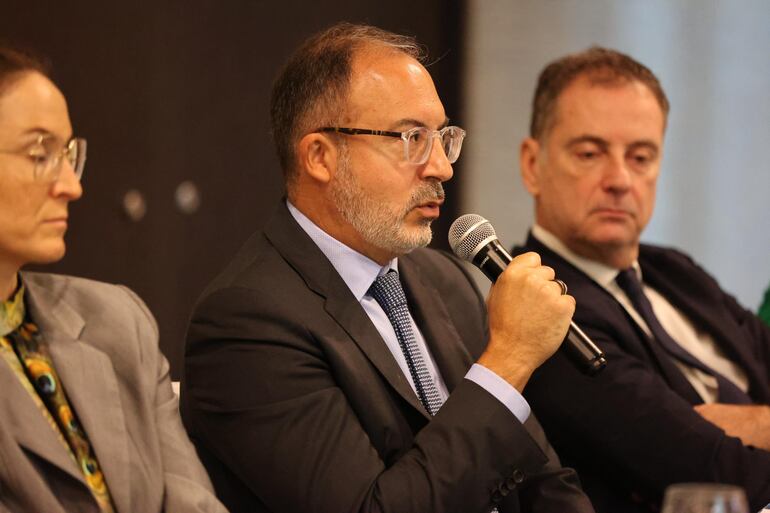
x,y
631,431
104,346
296,404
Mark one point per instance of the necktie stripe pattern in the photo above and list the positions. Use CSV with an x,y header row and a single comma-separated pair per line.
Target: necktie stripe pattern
x,y
389,294
629,282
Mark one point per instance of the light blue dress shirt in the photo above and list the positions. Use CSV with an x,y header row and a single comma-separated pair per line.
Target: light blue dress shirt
x,y
359,272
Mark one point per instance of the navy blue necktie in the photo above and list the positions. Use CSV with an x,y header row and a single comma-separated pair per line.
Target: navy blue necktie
x,y
389,294
629,283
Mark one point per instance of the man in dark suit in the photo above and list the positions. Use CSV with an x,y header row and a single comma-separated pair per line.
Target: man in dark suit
x,y
685,392
330,367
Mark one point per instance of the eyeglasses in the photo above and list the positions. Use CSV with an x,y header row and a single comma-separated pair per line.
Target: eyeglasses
x,y
418,141
48,162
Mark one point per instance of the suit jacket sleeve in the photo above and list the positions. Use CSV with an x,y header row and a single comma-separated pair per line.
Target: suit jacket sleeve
x,y
266,392
553,488
757,331
187,486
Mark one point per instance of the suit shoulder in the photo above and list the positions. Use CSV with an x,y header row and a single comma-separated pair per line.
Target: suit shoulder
x,y
664,253
258,286
256,266
673,259
113,318
60,284
81,290
98,302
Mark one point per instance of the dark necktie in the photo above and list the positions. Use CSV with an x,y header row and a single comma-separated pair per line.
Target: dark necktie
x,y
629,283
389,294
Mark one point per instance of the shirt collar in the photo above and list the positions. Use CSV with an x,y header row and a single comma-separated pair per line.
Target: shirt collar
x,y
357,271
602,274
12,311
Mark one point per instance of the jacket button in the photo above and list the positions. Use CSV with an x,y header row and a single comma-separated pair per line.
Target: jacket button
x,y
517,476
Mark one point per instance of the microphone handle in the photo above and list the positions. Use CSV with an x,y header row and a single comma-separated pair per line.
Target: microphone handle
x,y
581,350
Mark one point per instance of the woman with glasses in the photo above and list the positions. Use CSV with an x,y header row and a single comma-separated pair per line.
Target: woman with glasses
x,y
88,418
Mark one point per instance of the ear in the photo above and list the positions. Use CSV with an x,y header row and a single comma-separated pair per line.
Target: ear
x,y
529,155
317,157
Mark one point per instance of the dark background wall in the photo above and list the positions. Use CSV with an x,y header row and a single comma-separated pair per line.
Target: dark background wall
x,y
175,92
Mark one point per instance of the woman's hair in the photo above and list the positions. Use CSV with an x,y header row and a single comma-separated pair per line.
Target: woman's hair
x,y
15,62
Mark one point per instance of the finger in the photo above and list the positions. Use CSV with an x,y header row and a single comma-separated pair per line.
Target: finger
x,y
530,259
547,272
542,272
554,285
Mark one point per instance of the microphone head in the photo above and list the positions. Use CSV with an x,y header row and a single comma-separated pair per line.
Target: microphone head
x,y
468,234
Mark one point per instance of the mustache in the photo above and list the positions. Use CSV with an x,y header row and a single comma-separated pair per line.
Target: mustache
x,y
429,191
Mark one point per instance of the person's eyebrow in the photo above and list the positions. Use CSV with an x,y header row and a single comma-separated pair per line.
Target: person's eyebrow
x,y
645,143
42,132
38,131
410,122
601,143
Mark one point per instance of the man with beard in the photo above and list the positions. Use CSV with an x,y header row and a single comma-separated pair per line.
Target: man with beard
x,y
685,394
330,367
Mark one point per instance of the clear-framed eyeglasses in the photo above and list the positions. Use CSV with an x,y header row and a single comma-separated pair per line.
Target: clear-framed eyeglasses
x,y
47,161
418,141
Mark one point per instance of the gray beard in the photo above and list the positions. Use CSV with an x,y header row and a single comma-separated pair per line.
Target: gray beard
x,y
378,225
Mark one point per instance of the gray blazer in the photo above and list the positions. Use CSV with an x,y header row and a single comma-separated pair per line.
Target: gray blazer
x,y
104,345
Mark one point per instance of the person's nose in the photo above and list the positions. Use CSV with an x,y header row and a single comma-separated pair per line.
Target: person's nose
x,y
616,174
67,184
437,165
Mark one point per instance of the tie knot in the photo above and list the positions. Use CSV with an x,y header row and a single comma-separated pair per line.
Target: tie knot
x,y
387,291
629,282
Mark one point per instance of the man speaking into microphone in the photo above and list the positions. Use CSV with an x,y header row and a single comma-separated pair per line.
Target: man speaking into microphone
x,y
336,365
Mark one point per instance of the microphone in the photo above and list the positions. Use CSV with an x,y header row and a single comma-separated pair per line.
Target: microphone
x,y
473,239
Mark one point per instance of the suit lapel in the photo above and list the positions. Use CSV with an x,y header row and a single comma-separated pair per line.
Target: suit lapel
x,y
352,318
90,383
679,288
435,323
29,427
299,250
587,291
